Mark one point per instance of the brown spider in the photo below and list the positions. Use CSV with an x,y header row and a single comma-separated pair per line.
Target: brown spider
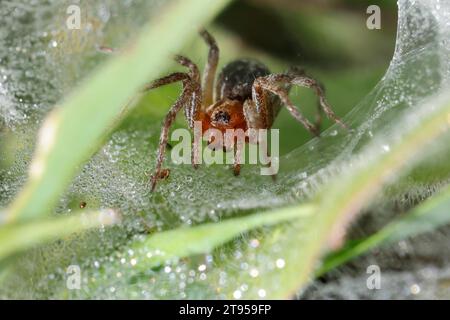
x,y
247,95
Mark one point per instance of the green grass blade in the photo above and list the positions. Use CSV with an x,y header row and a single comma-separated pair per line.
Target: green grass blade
x,y
183,242
17,237
348,196
428,216
88,114
354,189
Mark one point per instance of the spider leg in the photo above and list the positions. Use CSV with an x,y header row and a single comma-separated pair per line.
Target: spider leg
x,y
168,121
171,78
194,73
192,111
309,82
298,71
193,107
210,67
237,163
271,84
318,122
258,120
190,99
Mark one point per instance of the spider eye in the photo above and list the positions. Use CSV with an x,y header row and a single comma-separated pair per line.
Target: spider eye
x,y
222,117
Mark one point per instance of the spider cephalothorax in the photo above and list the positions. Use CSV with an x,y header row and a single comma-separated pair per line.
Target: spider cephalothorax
x,y
247,96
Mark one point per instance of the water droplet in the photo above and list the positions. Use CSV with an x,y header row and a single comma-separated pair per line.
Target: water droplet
x,y
280,263
244,265
254,272
415,289
254,243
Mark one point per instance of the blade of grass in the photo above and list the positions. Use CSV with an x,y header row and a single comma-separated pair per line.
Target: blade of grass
x,y
349,192
183,242
88,113
16,237
428,216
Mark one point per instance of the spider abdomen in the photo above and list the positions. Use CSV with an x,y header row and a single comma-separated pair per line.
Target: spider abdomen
x,y
236,79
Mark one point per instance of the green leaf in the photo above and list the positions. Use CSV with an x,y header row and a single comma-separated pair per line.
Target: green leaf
x,y
183,242
355,188
426,217
16,237
91,111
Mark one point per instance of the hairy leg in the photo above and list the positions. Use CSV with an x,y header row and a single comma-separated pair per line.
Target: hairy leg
x,y
298,71
192,112
270,84
309,82
194,73
237,163
210,67
318,122
193,108
257,120
193,104
168,121
171,78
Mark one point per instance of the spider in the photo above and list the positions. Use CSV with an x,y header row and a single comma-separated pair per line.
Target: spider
x,y
247,95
